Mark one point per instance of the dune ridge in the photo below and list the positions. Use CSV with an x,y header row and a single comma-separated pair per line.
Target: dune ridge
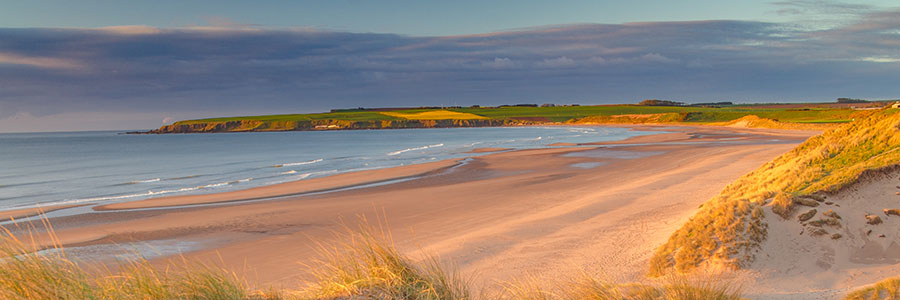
x,y
729,229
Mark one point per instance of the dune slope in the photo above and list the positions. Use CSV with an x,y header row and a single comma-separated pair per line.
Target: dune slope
x,y
729,229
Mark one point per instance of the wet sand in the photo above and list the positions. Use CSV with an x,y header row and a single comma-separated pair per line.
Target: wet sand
x,y
555,211
291,188
488,150
30,212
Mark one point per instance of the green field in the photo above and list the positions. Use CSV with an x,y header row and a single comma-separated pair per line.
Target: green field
x,y
570,113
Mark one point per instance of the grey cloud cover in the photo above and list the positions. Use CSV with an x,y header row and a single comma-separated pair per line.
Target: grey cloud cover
x,y
240,70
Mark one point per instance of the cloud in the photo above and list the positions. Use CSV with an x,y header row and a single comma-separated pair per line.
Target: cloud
x,y
657,58
820,7
597,60
881,59
559,62
130,29
500,63
40,62
243,69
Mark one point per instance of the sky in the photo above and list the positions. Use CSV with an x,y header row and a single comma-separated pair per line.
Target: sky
x,y
120,65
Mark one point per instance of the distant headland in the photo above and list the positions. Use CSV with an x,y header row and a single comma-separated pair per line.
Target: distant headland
x,y
651,111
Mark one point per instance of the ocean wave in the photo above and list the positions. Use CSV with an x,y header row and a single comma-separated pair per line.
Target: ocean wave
x,y
298,163
288,172
144,181
240,180
414,149
28,183
151,193
289,179
520,140
582,130
326,172
301,176
183,177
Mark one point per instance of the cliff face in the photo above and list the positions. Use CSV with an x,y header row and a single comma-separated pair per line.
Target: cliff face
x,y
257,125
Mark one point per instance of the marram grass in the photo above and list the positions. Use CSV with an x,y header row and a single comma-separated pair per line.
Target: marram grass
x,y
29,273
589,287
365,264
888,289
728,229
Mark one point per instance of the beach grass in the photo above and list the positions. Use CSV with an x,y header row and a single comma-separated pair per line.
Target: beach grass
x,y
728,228
364,264
31,273
593,287
887,289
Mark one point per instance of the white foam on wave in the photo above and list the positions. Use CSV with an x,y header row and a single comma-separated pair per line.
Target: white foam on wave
x,y
298,163
582,130
144,181
415,149
292,178
288,172
151,193
240,180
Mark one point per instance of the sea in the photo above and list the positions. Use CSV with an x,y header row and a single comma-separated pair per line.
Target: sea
x,y
99,167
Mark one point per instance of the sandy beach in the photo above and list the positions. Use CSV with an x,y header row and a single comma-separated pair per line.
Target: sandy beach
x,y
603,207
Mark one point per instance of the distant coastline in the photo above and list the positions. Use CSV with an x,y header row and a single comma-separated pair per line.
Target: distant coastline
x,y
330,124
790,116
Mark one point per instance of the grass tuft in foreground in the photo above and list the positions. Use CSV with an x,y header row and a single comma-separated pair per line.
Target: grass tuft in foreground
x,y
887,289
589,287
366,265
28,273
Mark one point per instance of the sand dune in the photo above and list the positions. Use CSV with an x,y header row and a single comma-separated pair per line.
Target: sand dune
x,y
798,263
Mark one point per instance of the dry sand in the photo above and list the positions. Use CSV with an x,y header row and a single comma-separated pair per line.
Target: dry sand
x,y
550,211
794,263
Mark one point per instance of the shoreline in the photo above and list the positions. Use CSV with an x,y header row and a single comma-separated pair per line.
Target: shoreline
x,y
291,188
21,213
555,208
99,198
343,181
